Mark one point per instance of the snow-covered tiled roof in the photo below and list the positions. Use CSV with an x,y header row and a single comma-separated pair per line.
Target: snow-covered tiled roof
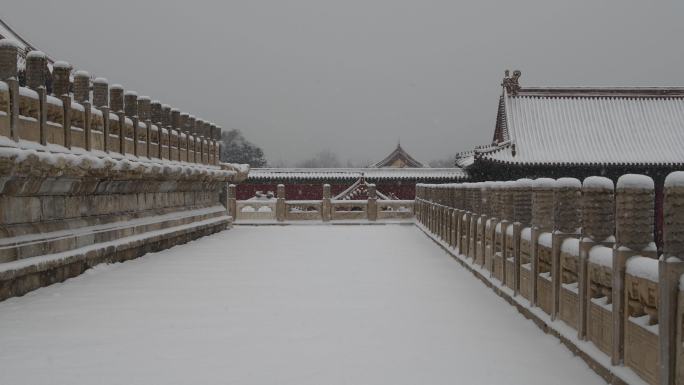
x,y
589,126
372,174
398,158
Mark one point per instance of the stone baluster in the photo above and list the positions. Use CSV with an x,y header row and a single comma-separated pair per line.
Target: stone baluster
x,y
542,222
634,219
372,203
61,71
82,96
598,227
183,136
81,86
326,205
36,67
191,137
145,116
156,117
670,272
116,104
232,201
566,224
101,102
100,93
166,125
131,111
9,54
280,203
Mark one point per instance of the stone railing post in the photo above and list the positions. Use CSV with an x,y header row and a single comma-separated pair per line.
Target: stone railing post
x,y
326,205
82,96
634,219
61,71
174,134
131,111
542,222
166,124
144,115
36,67
372,203
280,203
522,218
42,115
475,205
81,86
9,54
116,104
670,272
566,224
231,205
100,93
66,102
598,226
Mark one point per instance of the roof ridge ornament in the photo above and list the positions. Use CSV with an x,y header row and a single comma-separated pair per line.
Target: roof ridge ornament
x,y
510,83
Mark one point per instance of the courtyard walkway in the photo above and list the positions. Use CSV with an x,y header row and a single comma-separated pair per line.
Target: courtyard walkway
x,y
280,305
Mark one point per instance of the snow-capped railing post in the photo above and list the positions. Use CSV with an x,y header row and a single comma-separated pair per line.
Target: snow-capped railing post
x,y
36,65
9,54
231,203
116,103
542,224
475,203
326,206
183,143
42,115
634,220
566,225
372,210
671,293
60,88
522,218
481,222
490,226
505,215
131,111
174,135
280,203
36,68
144,104
66,103
82,96
190,138
156,117
598,227
465,219
101,102
60,78
165,125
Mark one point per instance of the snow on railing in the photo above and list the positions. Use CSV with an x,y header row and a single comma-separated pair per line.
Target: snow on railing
x,y
583,253
68,118
279,209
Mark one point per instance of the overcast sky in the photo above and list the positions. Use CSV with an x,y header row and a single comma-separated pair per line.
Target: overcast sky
x,y
354,76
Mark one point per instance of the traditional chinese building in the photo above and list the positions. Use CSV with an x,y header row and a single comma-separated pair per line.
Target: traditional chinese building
x,y
578,132
395,177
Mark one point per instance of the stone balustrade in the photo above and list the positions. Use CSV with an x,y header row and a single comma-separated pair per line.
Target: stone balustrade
x,y
113,123
277,208
86,182
583,253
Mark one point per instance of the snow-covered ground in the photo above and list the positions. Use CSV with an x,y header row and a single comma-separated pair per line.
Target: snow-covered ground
x,y
281,305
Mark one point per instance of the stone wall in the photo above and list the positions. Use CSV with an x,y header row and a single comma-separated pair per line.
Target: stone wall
x,y
86,182
584,254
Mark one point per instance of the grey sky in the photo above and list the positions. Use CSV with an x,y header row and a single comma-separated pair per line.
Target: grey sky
x,y
353,76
